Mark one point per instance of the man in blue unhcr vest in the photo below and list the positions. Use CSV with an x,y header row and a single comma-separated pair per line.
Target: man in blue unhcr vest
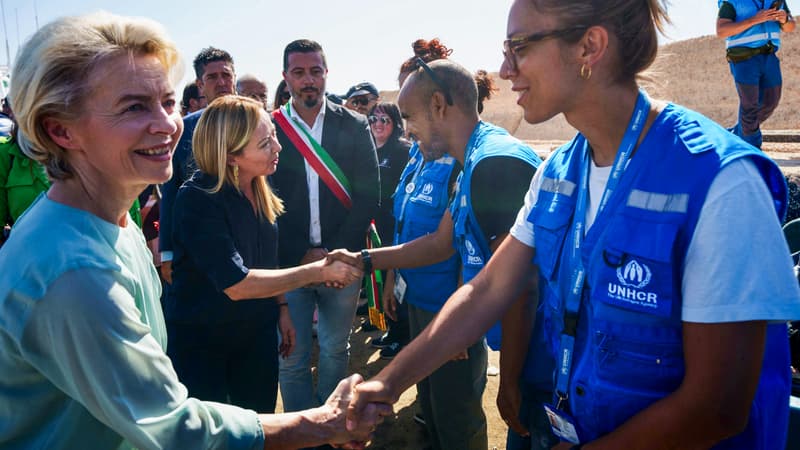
x,y
752,32
439,103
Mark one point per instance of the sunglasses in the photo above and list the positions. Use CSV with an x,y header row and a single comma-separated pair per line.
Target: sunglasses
x,y
361,101
447,97
514,45
382,119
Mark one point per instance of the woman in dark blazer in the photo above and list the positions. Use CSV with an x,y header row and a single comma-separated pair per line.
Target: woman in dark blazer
x,y
226,299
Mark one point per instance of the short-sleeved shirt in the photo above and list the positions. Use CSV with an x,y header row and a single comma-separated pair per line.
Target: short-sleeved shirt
x,y
496,199
728,11
82,342
737,266
218,237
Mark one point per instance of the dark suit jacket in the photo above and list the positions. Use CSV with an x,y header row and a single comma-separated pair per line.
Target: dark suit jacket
x,y
183,167
346,137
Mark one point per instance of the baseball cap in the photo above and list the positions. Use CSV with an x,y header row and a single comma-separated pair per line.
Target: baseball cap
x,y
362,89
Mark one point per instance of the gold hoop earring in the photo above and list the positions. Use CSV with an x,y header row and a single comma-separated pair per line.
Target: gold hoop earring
x,y
236,176
586,72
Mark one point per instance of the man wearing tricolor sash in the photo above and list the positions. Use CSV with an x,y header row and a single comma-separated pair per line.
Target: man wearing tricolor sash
x,y
329,184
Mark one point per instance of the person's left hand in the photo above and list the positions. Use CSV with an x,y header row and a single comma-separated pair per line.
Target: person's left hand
x,y
509,400
286,328
388,298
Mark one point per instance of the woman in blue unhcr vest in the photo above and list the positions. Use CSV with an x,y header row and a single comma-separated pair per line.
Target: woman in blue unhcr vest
x,y
664,278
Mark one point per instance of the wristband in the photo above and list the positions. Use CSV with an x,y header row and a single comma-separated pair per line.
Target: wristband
x,y
366,260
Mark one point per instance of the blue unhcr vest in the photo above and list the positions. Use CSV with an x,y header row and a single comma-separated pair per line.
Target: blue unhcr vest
x,y
757,35
420,200
487,140
628,349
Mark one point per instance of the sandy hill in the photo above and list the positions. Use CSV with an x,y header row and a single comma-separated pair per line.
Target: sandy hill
x,y
693,73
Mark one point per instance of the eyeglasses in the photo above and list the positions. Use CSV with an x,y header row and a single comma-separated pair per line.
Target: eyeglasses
x,y
437,80
514,45
383,119
361,101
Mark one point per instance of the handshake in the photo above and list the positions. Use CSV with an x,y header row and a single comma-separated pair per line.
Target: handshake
x,y
338,268
349,416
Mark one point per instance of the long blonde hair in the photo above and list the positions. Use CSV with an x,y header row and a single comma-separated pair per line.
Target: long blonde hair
x,y
225,128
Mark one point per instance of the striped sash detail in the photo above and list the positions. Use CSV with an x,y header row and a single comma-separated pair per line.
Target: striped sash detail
x,y
318,158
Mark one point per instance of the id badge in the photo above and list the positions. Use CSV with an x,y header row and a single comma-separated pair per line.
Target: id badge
x,y
399,288
562,424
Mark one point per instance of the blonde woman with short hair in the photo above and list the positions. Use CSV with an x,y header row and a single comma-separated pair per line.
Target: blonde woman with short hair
x,y
82,335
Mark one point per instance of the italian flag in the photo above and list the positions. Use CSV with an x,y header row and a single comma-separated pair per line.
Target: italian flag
x,y
373,283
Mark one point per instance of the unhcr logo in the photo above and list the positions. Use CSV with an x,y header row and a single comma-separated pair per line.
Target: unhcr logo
x,y
425,195
472,258
470,247
634,274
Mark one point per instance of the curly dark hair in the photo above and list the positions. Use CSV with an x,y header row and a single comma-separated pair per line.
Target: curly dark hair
x,y
428,51
486,87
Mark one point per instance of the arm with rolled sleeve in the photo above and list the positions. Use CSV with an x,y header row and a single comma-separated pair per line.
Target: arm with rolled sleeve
x,y
205,236
365,190
86,336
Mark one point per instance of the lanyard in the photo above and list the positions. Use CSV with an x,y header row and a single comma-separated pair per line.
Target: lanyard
x,y
573,300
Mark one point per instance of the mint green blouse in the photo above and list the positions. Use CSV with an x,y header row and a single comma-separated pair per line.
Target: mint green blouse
x,y
82,344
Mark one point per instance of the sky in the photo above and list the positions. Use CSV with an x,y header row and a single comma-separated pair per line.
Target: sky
x,y
364,40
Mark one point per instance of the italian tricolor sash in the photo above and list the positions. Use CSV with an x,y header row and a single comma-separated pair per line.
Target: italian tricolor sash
x,y
318,158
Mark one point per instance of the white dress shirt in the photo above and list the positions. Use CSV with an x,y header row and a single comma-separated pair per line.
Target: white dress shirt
x,y
312,178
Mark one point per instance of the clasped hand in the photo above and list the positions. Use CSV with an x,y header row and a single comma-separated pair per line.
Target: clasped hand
x,y
337,272
346,263
353,434
366,399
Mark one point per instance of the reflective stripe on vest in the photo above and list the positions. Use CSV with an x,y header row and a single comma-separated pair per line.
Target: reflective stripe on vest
x,y
654,201
557,186
751,38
